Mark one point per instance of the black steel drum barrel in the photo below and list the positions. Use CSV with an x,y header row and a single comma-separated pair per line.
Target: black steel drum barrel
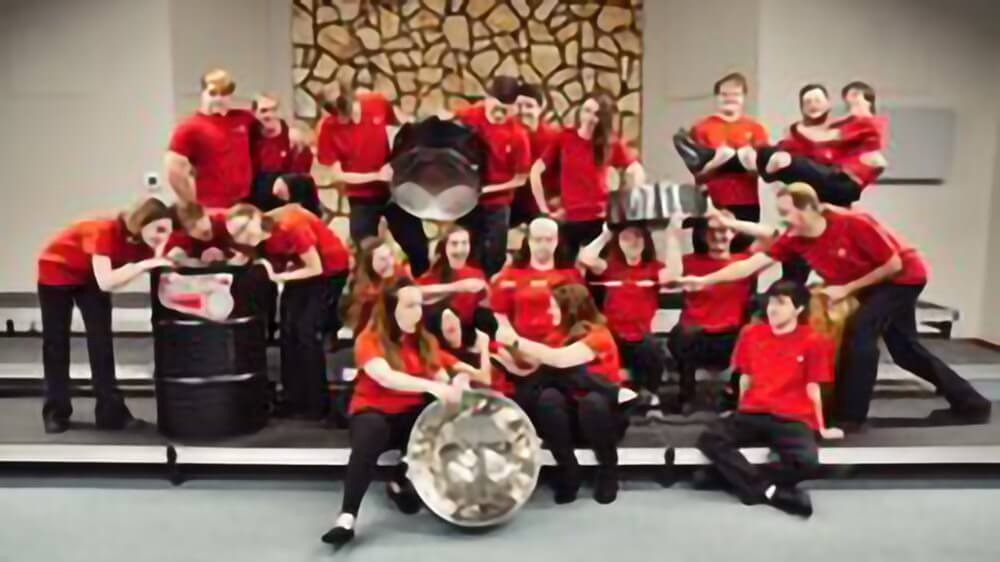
x,y
210,367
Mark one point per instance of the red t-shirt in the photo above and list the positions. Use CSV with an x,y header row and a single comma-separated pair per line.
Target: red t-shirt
x,y
860,136
361,147
606,362
218,147
509,151
630,308
719,308
271,154
583,184
194,247
300,161
523,294
370,395
852,245
66,259
713,132
296,230
465,304
779,368
541,139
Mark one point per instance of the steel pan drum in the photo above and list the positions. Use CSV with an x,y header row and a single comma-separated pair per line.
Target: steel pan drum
x,y
652,204
477,464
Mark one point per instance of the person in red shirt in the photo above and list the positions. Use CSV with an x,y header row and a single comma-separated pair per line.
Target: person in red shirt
x,y
209,156
782,365
302,254
282,169
202,238
584,155
80,267
710,320
508,160
633,277
374,267
713,150
400,363
541,134
354,143
452,279
856,255
577,387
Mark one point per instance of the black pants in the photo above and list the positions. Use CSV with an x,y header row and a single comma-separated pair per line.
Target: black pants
x,y
373,433
301,190
406,229
694,349
304,306
889,311
793,442
593,420
524,209
831,184
576,234
57,314
488,228
645,361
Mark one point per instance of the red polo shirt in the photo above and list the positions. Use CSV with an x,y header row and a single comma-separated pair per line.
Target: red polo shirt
x,y
361,147
296,231
583,184
509,151
780,367
66,259
541,139
218,147
852,245
465,304
370,395
713,132
523,294
719,308
630,308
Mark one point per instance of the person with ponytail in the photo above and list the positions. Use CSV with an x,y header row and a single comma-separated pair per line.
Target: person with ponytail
x,y
584,154
400,363
80,267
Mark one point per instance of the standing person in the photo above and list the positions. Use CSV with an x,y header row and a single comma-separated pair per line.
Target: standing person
x,y
208,161
783,362
400,363
452,278
855,255
541,134
579,390
302,253
80,267
584,155
281,168
634,276
712,150
354,143
508,160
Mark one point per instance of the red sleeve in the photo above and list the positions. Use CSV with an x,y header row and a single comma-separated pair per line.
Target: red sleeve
x,y
599,340
447,360
621,155
326,149
185,141
302,239
520,153
366,348
390,112
760,137
551,155
872,242
501,294
781,250
819,368
100,242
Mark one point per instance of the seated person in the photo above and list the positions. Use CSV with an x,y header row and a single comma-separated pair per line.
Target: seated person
x,y
468,345
783,362
631,298
710,320
452,278
578,387
374,265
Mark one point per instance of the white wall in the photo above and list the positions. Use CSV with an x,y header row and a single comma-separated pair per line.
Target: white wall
x,y
86,104
915,54
991,289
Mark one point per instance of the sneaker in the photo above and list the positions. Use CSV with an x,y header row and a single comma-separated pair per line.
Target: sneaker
x,y
792,501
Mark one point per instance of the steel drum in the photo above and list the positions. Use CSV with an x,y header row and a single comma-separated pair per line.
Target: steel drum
x,y
474,465
653,203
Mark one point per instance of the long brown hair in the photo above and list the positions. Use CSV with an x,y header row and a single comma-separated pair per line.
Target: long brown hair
x,y
364,279
604,130
441,267
146,211
390,335
579,313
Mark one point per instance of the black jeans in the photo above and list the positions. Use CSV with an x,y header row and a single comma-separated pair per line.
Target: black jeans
x,y
373,433
57,314
793,442
406,229
304,306
889,311
301,190
693,349
577,234
832,186
488,228
645,361
592,419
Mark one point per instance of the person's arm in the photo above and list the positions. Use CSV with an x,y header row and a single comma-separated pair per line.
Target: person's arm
x,y
513,183
675,254
537,188
885,271
110,279
338,174
312,266
179,176
438,290
590,255
578,353
745,382
763,232
379,370
816,397
635,175
734,271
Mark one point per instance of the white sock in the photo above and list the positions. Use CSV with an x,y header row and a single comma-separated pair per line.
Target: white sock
x,y
345,520
769,492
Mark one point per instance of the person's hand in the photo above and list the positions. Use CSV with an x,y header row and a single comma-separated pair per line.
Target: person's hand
x,y
470,285
676,223
558,215
239,258
462,382
385,173
836,293
449,393
268,268
691,283
211,255
482,341
280,190
506,335
153,263
831,433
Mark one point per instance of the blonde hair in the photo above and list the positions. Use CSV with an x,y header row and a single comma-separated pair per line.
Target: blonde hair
x,y
219,81
802,194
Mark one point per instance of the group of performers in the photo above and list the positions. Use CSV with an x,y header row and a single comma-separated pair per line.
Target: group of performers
x,y
564,325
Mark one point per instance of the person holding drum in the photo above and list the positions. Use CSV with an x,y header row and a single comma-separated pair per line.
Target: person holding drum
x,y
579,390
304,255
584,154
80,267
400,363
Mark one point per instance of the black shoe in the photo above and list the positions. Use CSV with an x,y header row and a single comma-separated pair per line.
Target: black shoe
x,y
708,478
406,499
566,486
792,501
606,485
113,415
55,422
850,427
338,536
695,156
976,410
